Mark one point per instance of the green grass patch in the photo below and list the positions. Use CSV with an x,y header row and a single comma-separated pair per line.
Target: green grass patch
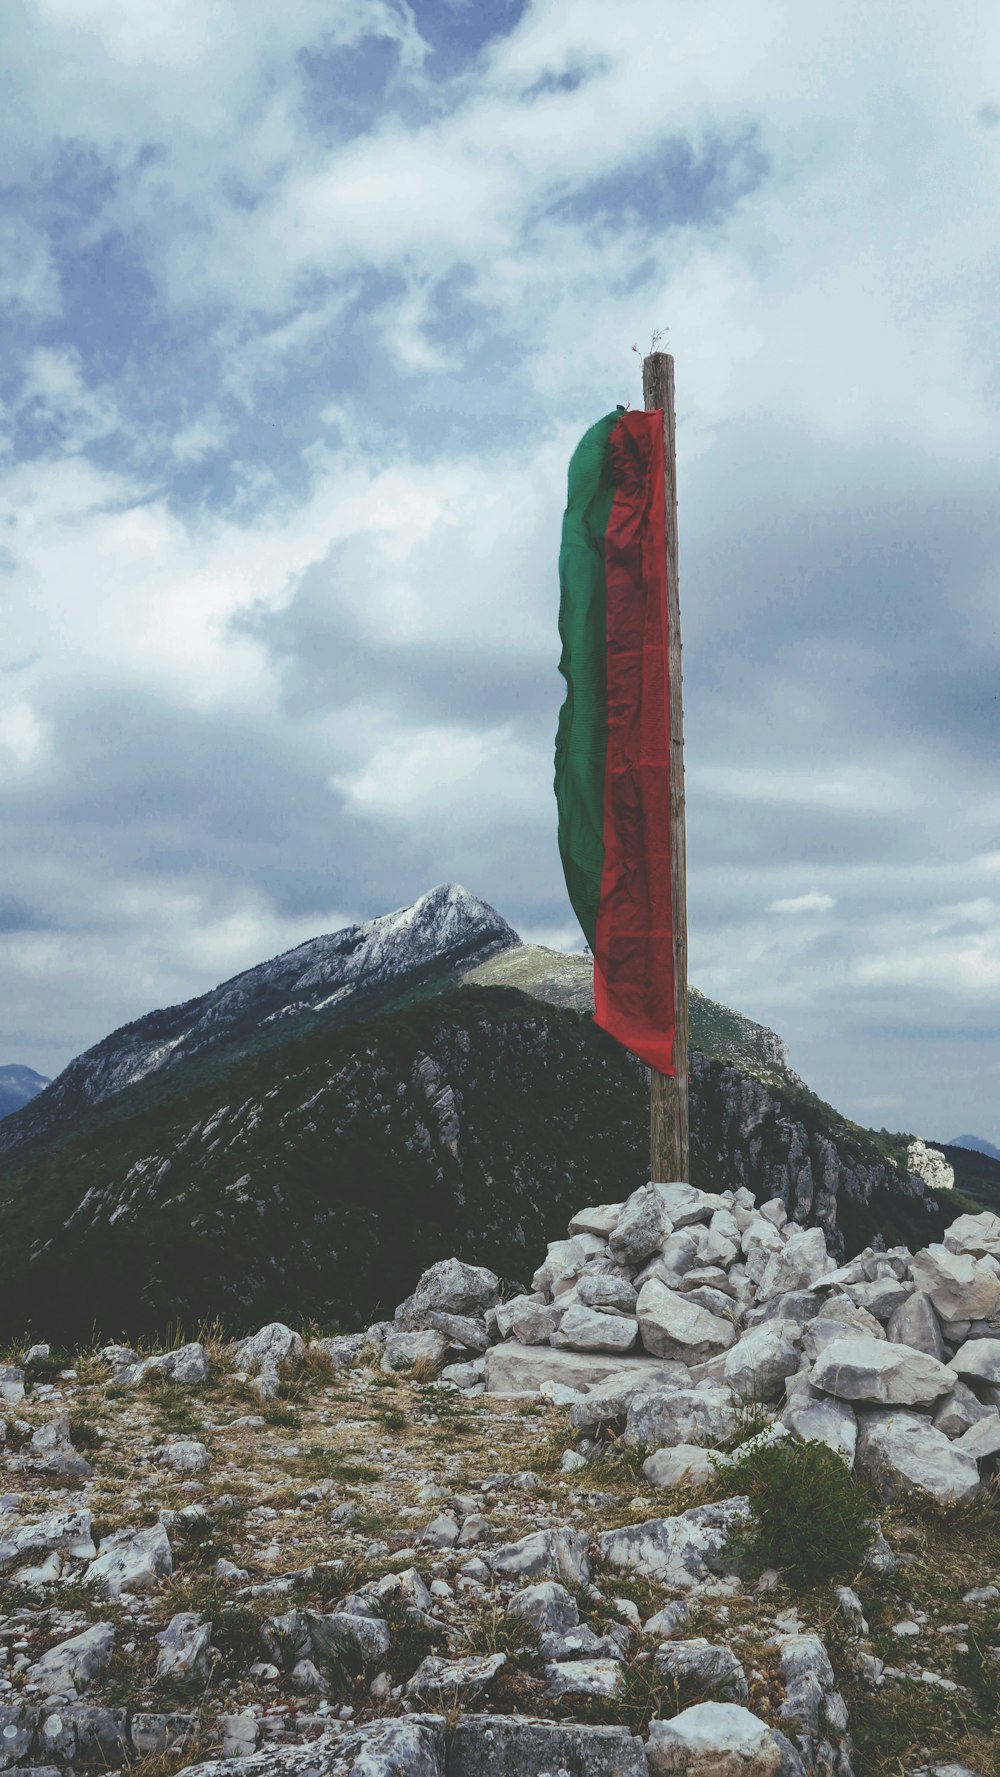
x,y
811,1517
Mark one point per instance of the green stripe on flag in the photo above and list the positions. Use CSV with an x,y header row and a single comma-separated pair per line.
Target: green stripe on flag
x,y
582,734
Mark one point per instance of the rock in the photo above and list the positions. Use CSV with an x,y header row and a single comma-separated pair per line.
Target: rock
x,y
880,1561
587,1329
130,1561
68,1668
522,1369
876,1370
905,1451
682,1465
880,1299
547,1606
17,1731
454,1680
64,1533
263,1354
712,1740
641,1228
189,1364
757,1365
546,1554
160,1736
802,1262
239,1738
673,1327
668,1621
51,1452
11,1384
815,1418
342,1349
608,1290
851,1314
465,1376
564,1261
801,1306
680,1552
703,1415
404,1350
977,1235
851,1609
409,1746
600,1220
915,1323
528,1320
979,1359
449,1287
310,1634
607,1403
960,1410
513,1746
185,1455
460,1330
715,1671
441,1533
184,1646
960,1287
981,1439
585,1678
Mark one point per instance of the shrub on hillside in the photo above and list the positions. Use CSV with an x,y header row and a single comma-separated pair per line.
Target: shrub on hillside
x,y
810,1515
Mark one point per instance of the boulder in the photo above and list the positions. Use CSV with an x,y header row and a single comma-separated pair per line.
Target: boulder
x,y
585,1678
875,1370
981,1439
461,1330
959,1286
62,1533
680,1552
449,1287
713,1670
515,1746
802,1306
130,1561
184,1646
587,1329
564,1262
757,1365
979,1360
881,1298
903,1450
685,1204
703,1415
802,1262
600,1220
713,1740
186,1456
559,1554
67,1668
310,1634
814,1418
682,1465
607,1403
960,1410
51,1452
528,1319
547,1606
404,1350
915,1323
607,1290
454,1681
521,1369
641,1228
11,1384
977,1235
673,1327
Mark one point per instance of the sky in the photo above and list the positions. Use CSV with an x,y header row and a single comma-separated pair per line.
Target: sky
x,y
303,310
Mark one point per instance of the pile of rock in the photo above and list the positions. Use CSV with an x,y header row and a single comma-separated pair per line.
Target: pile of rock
x,y
666,1314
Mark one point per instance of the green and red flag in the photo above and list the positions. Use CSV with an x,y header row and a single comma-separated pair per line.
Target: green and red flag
x,y
613,741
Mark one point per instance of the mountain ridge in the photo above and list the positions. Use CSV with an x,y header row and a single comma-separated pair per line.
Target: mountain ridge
x,y
18,1086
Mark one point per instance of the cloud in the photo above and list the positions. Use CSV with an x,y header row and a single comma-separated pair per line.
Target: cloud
x,y
813,902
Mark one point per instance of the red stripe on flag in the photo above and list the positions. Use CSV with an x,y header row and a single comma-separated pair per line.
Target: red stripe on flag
x,y
634,946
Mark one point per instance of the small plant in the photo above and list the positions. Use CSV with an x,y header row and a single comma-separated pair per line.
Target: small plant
x,y
84,1435
751,1413
810,1515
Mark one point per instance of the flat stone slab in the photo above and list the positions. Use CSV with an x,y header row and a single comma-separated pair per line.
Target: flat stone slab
x,y
521,1369
499,1745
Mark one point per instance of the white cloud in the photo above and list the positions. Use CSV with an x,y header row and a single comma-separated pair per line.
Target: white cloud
x,y
813,902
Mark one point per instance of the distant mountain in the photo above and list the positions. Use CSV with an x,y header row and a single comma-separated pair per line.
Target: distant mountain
x,y
976,1169
338,978
977,1144
305,1139
18,1086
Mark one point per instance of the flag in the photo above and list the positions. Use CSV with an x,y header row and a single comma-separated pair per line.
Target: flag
x,y
612,777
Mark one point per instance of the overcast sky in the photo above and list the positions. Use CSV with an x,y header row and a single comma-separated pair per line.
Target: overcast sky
x,y
305,306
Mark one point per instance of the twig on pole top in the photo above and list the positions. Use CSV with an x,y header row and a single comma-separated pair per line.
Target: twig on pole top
x,y
654,344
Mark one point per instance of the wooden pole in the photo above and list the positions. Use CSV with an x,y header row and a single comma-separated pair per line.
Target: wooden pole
x,y
668,1097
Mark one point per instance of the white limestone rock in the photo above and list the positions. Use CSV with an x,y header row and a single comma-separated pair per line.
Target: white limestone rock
x,y
186,1456
673,1327
404,1349
67,1669
61,1533
449,1287
713,1740
979,1360
641,1228
681,1552
599,1220
702,1415
682,1465
130,1561
438,1680
559,1554
564,1262
877,1371
981,1439
801,1263
904,1450
516,1746
757,1365
609,1291
587,1329
930,1165
516,1369
960,1410
960,1287
713,1669
977,1235
606,1404
184,1645
915,1323
528,1319
816,1418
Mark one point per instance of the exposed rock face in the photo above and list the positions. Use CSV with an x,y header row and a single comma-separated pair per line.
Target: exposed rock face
x,y
930,1165
875,1370
906,1451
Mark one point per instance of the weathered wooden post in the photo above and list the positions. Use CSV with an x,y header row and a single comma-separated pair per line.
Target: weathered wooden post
x,y
668,1095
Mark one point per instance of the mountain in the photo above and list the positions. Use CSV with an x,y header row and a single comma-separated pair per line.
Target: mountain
x,y
977,1145
305,1139
18,1086
977,1172
340,977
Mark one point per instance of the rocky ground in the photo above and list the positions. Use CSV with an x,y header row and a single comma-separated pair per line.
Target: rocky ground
x,y
520,1537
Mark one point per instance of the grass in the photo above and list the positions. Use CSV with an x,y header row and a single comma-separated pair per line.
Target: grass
x,y
811,1517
